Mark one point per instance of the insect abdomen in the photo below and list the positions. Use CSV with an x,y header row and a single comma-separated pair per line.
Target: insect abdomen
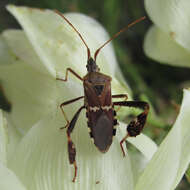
x,y
101,125
103,132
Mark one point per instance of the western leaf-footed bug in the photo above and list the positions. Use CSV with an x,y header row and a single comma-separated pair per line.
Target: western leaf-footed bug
x,y
98,103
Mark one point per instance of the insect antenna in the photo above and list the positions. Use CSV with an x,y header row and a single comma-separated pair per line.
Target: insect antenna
x,y
117,34
60,14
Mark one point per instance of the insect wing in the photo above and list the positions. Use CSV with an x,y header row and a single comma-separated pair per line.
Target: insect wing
x,y
101,125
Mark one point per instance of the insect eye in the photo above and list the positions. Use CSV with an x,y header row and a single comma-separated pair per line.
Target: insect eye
x,y
99,89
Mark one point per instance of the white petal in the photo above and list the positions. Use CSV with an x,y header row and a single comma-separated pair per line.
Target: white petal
x,y
31,93
172,16
3,139
14,137
42,156
29,88
169,163
9,138
9,180
143,143
146,148
5,54
58,45
24,51
185,140
161,47
120,87
138,163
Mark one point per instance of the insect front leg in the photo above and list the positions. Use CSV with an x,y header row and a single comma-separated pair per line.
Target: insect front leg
x,y
71,146
135,126
66,75
66,103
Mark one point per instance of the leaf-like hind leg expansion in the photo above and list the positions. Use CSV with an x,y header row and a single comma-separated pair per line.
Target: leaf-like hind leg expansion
x,y
66,103
71,146
66,75
135,126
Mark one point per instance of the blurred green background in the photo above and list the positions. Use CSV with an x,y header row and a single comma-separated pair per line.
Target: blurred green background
x,y
160,84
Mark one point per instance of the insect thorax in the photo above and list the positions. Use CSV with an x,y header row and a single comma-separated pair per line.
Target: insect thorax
x,y
97,89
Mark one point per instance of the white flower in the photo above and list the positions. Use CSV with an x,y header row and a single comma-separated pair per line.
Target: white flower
x,y
34,150
167,41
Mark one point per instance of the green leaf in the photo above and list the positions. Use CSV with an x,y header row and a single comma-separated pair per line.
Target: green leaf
x,y
188,175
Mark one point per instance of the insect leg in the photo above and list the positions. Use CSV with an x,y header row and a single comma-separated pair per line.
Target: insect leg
x,y
66,103
71,146
125,96
120,96
66,75
135,126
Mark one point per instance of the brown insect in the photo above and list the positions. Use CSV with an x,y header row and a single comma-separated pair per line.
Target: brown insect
x,y
100,110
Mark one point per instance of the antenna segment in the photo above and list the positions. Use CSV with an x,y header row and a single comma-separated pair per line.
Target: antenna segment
x,y
113,37
60,14
117,34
